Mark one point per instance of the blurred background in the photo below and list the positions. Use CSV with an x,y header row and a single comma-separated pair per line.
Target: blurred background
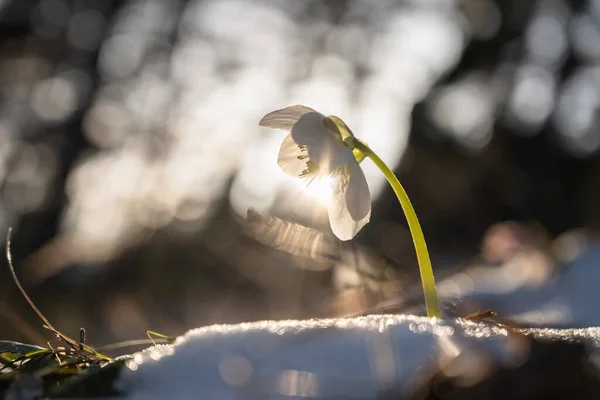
x,y
130,154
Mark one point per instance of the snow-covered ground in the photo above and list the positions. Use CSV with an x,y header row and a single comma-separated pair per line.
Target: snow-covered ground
x,y
343,358
530,290
354,358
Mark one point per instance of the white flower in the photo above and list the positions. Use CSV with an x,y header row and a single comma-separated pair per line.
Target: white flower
x,y
315,149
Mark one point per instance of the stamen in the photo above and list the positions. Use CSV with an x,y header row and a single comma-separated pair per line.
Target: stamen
x,y
302,157
310,172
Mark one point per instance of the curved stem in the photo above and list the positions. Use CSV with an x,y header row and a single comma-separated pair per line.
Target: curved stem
x,y
431,297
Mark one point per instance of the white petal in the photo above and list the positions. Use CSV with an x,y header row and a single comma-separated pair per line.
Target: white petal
x,y
285,118
324,148
341,222
288,157
350,209
358,197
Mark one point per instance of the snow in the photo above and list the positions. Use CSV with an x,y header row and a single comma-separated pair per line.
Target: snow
x,y
524,292
323,358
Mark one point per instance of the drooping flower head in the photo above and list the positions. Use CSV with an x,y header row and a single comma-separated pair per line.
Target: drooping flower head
x,y
315,148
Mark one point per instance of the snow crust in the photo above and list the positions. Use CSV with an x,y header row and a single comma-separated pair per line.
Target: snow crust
x,y
349,358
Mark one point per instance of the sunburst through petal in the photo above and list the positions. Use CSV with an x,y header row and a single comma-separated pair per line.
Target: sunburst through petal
x,y
314,150
320,188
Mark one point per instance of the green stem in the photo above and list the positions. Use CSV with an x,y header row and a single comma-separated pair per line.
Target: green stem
x,y
431,298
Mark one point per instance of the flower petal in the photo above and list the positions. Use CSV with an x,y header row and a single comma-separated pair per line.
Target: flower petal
x,y
285,118
358,197
292,160
324,149
350,208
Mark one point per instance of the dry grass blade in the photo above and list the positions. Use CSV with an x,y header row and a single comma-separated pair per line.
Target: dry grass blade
x,y
86,350
61,369
14,276
169,339
131,343
481,315
29,357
